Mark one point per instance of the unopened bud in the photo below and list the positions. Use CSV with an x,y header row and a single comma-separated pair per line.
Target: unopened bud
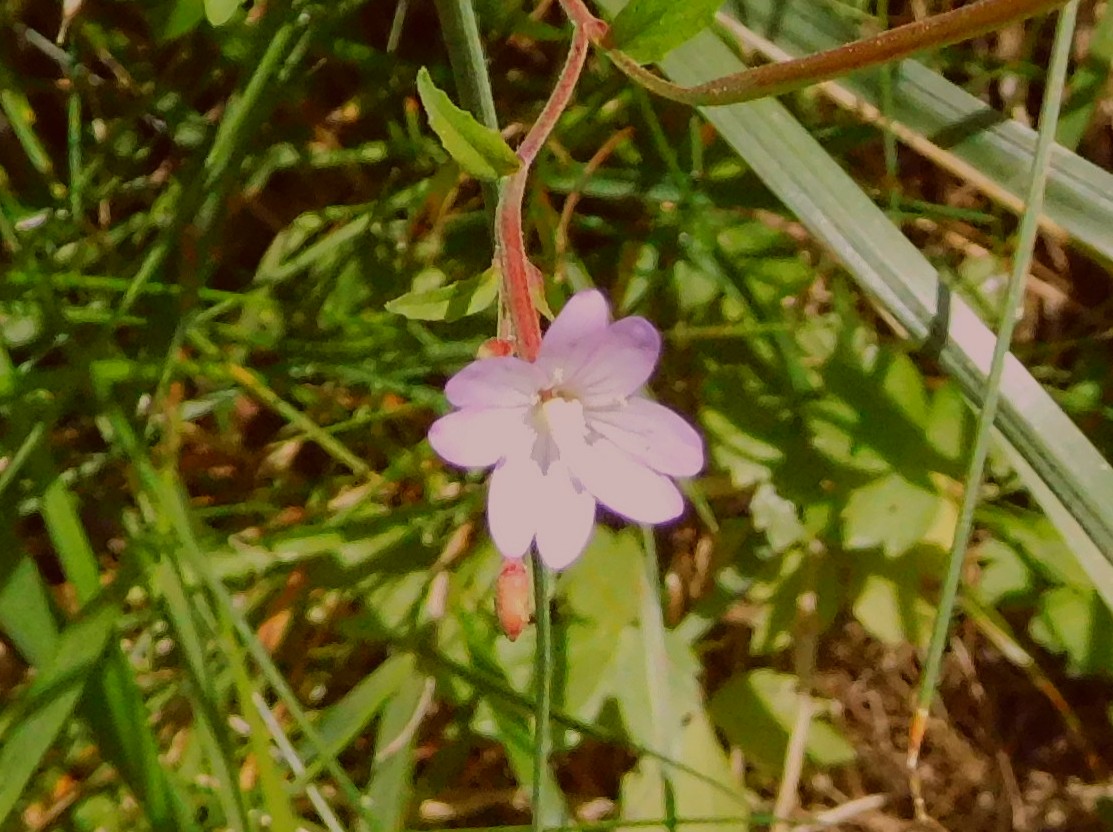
x,y
495,348
513,601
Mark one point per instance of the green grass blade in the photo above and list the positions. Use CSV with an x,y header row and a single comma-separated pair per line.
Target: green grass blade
x,y
392,775
25,615
273,788
995,149
901,280
1049,114
48,705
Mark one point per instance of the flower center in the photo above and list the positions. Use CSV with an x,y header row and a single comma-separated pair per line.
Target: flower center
x,y
563,417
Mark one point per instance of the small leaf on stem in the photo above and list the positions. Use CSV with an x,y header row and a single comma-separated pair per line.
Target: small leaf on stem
x,y
647,30
449,303
479,150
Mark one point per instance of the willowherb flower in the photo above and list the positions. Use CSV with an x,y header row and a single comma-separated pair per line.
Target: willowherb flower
x,y
569,431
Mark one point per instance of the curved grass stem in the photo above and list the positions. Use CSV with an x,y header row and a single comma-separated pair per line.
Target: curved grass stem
x,y
1029,225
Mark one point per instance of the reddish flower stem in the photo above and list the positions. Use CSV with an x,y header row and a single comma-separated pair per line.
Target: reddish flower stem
x,y
513,262
583,19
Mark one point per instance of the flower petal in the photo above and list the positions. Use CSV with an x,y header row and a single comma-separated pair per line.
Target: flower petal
x,y
495,382
615,478
621,363
480,437
624,485
652,434
584,316
565,520
514,495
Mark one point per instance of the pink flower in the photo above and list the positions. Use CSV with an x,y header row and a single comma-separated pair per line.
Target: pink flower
x,y
569,431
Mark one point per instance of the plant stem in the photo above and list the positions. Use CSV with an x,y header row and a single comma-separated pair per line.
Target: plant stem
x,y
1029,226
513,263
543,681
469,66
774,79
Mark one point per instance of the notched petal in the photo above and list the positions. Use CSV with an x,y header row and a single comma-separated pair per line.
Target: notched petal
x,y
585,316
513,499
566,521
620,365
653,434
479,437
495,382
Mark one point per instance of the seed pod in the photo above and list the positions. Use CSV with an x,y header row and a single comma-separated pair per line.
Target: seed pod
x,y
513,600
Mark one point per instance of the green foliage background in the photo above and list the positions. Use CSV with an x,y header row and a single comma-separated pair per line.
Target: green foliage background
x,y
238,590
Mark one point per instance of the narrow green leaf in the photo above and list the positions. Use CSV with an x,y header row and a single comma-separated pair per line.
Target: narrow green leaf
x,y
647,30
342,722
392,775
479,150
280,809
449,303
220,12
49,703
1079,193
25,616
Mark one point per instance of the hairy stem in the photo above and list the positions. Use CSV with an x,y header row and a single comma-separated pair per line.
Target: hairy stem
x,y
774,79
513,263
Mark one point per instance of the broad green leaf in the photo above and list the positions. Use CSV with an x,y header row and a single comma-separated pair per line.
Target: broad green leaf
x,y
1035,539
887,596
1003,574
889,512
1071,477
777,517
220,12
48,705
756,712
719,796
1075,622
508,724
599,597
777,588
479,150
603,585
449,303
647,30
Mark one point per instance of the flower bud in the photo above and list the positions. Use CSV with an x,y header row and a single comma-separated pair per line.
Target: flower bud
x,y
513,598
495,348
